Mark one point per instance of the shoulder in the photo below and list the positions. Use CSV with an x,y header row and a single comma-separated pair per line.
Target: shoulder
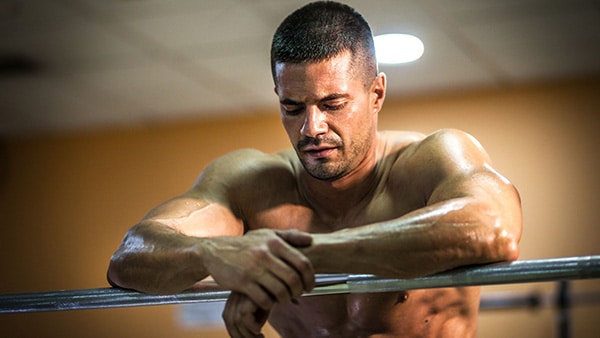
x,y
448,149
442,146
240,175
443,155
452,138
243,165
242,179
395,140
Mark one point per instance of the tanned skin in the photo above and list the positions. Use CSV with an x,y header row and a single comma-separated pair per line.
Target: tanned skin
x,y
346,199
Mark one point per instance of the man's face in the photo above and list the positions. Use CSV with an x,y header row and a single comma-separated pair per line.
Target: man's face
x,y
329,114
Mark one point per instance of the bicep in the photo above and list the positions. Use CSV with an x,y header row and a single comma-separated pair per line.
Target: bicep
x,y
214,206
483,185
489,202
464,172
196,217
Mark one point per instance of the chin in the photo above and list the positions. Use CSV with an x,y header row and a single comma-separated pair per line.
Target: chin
x,y
324,173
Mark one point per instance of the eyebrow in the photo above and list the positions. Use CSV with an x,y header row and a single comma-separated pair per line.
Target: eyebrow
x,y
289,102
335,97
324,99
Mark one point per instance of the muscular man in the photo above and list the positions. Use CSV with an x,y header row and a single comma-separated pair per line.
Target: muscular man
x,y
346,199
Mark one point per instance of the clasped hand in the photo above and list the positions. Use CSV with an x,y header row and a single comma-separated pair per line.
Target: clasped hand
x,y
262,268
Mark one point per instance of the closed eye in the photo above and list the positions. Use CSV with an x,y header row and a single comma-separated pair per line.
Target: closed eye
x,y
293,112
335,102
334,106
291,108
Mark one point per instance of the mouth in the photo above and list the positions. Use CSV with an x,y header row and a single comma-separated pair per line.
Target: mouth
x,y
318,153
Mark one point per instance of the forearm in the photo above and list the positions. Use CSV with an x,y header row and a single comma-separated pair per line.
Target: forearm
x,y
157,259
262,264
430,240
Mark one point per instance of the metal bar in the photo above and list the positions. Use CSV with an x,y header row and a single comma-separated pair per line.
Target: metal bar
x,y
526,271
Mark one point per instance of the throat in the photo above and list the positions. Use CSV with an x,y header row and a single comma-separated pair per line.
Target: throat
x,y
340,200
334,205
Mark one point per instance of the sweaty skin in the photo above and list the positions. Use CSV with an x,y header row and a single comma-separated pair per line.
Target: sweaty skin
x,y
345,199
422,313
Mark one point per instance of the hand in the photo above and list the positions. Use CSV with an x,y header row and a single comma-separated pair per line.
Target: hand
x,y
264,265
242,317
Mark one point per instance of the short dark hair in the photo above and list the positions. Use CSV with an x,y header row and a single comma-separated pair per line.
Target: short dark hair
x,y
320,31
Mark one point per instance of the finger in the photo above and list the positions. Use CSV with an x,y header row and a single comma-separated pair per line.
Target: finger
x,y
280,278
260,295
294,259
252,317
281,290
229,316
288,284
242,317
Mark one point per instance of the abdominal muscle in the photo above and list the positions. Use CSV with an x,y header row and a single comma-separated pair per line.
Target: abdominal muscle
x,y
449,312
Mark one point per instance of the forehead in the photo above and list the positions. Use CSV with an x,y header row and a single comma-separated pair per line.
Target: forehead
x,y
299,80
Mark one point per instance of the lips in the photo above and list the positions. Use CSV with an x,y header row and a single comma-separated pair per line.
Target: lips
x,y
318,152
319,148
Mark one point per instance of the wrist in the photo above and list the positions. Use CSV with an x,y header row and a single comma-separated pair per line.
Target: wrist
x,y
324,253
199,257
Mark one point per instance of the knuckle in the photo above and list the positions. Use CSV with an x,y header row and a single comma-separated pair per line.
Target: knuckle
x,y
274,244
292,278
259,254
305,264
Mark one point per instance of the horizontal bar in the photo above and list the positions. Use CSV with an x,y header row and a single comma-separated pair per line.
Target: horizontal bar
x,y
525,271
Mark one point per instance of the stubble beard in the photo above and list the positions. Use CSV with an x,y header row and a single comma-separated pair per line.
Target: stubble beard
x,y
331,169
325,169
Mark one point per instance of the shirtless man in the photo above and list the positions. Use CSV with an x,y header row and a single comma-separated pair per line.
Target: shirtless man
x,y
346,199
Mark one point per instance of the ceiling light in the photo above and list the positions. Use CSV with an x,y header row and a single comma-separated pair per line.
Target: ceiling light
x,y
398,48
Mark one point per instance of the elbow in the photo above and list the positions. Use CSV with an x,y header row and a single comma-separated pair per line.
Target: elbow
x,y
508,235
113,273
503,228
492,246
111,278
507,248
124,273
509,227
503,243
489,246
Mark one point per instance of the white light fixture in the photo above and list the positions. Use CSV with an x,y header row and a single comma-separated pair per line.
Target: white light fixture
x,y
398,48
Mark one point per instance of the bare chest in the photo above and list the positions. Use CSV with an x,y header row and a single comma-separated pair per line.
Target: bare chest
x,y
292,212
419,313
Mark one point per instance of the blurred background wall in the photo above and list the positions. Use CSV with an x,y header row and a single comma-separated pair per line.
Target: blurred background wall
x,y
67,199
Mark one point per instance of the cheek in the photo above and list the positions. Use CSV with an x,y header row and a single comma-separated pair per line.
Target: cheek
x,y
358,126
291,128
357,120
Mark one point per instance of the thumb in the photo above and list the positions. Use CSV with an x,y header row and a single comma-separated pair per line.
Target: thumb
x,y
295,238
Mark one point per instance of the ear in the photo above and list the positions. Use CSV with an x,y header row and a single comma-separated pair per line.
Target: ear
x,y
378,92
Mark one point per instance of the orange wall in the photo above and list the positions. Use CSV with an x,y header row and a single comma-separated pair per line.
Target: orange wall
x,y
67,200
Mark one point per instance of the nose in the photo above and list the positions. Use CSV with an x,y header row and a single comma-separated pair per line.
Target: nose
x,y
314,122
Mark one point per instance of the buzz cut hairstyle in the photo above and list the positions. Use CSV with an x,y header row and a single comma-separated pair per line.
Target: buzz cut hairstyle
x,y
321,31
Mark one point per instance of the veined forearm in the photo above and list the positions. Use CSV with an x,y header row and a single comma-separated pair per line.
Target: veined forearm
x,y
156,259
424,242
